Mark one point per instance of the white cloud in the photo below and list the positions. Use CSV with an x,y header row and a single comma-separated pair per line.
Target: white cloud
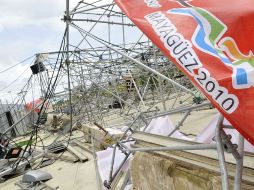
x,y
28,27
23,12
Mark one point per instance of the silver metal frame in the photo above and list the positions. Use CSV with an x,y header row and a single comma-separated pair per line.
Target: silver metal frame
x,y
75,73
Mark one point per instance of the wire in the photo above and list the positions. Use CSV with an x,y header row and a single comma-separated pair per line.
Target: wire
x,y
47,96
15,80
16,64
15,104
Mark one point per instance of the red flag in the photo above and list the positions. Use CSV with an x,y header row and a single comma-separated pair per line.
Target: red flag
x,y
212,43
36,105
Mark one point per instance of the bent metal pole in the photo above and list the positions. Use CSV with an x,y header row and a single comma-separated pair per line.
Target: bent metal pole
x,y
134,60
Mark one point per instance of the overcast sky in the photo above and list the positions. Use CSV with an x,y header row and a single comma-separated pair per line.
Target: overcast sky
x,y
26,28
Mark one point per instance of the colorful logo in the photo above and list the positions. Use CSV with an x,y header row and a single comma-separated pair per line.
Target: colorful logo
x,y
208,39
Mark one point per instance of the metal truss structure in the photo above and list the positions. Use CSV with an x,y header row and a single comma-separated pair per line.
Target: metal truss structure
x,y
134,61
107,71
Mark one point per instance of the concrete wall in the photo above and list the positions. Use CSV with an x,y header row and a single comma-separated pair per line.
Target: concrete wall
x,y
155,172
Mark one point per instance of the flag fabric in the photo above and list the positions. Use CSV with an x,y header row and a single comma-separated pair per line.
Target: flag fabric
x,y
212,42
35,105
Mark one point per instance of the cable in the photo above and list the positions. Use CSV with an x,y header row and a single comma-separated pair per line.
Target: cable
x,y
47,95
16,64
26,90
15,80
